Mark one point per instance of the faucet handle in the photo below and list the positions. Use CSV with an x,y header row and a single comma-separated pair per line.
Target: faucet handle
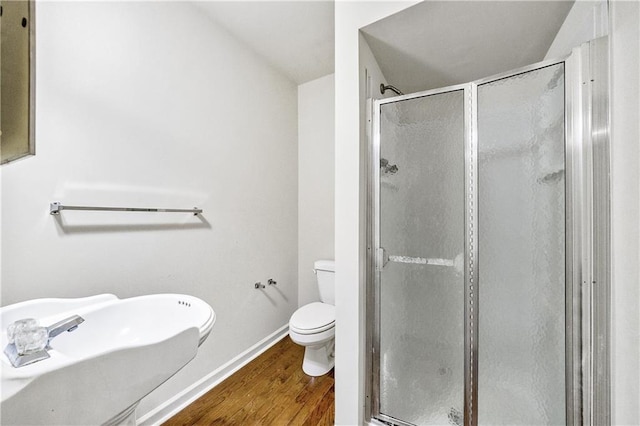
x,y
271,281
31,341
20,326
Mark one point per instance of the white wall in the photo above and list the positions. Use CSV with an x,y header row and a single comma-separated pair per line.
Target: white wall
x,y
625,211
150,104
316,184
586,21
349,369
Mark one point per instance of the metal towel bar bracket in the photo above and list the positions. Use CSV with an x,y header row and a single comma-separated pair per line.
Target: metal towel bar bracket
x,y
57,207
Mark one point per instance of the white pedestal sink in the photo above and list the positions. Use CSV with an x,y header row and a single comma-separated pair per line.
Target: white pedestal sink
x,y
98,373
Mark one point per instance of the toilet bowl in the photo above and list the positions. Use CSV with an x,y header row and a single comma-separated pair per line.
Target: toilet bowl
x,y
313,325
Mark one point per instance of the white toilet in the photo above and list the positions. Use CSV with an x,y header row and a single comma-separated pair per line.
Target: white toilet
x,y
313,325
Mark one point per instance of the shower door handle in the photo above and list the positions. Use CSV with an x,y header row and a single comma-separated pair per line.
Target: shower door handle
x,y
382,258
457,263
414,260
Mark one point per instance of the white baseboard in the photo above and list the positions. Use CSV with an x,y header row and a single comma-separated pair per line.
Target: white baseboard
x,y
171,407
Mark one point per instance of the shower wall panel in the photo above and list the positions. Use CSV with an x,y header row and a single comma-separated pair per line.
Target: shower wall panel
x,y
521,249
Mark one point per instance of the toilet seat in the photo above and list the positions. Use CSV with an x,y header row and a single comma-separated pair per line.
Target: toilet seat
x,y
313,318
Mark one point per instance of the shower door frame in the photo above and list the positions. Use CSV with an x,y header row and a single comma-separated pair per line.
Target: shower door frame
x,y
375,254
587,238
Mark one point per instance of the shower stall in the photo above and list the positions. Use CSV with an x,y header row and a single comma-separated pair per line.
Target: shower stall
x,y
488,240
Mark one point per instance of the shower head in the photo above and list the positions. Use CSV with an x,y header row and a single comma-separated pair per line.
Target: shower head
x,y
384,88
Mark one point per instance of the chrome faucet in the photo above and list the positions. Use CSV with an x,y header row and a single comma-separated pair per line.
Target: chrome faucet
x,y
26,357
67,324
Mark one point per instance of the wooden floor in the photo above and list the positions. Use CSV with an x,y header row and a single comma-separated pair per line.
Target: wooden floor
x,y
270,390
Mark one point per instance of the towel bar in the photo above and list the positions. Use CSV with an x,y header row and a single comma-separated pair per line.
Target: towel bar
x,y
57,207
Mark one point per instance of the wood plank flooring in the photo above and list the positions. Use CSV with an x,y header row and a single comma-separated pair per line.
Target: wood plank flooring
x,y
270,390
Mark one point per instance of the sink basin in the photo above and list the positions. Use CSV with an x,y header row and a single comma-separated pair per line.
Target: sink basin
x,y
98,373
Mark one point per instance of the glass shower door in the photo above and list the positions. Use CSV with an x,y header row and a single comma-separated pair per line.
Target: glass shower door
x,y
420,272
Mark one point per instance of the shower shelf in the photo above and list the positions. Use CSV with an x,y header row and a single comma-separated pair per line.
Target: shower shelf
x,y
56,207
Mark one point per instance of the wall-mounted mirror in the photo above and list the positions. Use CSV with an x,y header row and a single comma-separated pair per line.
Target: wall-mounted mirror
x,y
17,76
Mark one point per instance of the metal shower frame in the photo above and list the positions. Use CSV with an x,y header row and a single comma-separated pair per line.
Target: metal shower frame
x,y
587,239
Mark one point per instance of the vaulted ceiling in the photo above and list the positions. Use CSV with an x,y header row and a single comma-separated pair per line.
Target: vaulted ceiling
x,y
431,44
441,43
296,37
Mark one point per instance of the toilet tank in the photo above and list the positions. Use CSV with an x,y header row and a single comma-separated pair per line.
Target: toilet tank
x,y
325,275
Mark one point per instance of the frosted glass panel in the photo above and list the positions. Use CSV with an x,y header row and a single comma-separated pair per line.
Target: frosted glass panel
x,y
422,284
521,249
